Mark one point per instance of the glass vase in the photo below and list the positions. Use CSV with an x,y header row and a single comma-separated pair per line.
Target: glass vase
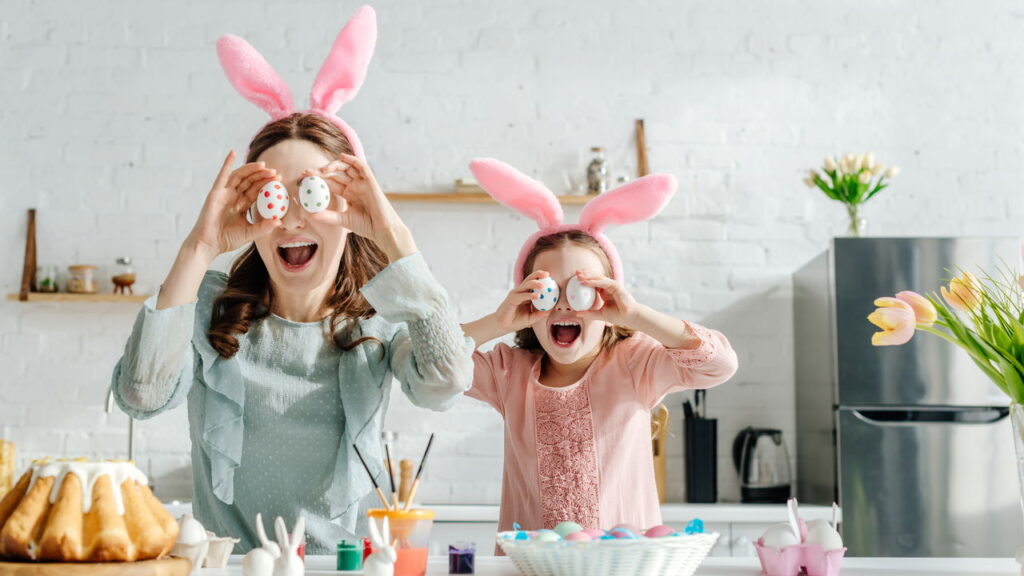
x,y
1017,418
857,226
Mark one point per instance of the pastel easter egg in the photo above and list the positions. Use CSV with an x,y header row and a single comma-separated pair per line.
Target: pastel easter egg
x,y
594,533
779,536
566,528
272,203
548,536
578,537
659,531
623,534
580,297
822,533
314,195
628,527
548,295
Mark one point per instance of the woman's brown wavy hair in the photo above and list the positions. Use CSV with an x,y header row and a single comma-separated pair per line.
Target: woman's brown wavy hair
x,y
248,297
527,338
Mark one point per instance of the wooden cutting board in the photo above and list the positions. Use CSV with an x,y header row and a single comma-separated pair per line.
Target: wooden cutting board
x,y
161,567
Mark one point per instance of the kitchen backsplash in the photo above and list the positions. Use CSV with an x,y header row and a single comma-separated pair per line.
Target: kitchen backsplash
x,y
115,121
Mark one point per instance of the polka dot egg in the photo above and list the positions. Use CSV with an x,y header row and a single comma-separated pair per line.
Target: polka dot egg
x,y
314,195
272,202
548,295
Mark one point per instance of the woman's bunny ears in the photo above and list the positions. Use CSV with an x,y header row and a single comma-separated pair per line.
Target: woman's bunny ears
x,y
636,201
338,82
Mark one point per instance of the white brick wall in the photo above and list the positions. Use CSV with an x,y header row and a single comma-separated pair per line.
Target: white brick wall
x,y
115,115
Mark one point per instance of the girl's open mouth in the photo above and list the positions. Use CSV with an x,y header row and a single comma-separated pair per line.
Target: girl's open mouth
x,y
565,332
296,255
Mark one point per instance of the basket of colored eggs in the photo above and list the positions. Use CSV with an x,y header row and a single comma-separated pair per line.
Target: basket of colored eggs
x,y
571,550
814,547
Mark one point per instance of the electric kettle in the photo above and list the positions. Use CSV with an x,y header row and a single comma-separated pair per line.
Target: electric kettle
x,y
762,461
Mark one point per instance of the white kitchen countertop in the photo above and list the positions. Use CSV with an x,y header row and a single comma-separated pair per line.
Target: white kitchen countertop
x,y
671,513
491,566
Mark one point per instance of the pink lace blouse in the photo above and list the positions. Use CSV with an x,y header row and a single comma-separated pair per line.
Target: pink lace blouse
x,y
583,452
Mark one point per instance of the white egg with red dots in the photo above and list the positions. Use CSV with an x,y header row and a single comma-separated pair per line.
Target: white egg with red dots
x,y
580,297
314,195
272,203
548,294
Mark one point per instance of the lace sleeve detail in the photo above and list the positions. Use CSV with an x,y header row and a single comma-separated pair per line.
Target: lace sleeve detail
x,y
693,357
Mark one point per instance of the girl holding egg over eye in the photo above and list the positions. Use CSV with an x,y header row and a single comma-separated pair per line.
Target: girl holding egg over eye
x,y
590,362
286,363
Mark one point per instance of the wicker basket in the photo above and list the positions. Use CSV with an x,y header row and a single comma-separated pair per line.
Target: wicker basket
x,y
675,556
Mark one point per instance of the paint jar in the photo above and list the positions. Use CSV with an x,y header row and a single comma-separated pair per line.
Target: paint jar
x,y
350,555
410,530
461,558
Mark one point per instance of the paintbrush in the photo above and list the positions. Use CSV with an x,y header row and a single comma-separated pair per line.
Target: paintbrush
x,y
416,481
391,473
372,479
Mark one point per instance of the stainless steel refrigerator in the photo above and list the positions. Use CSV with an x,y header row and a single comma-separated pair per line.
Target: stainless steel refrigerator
x,y
913,441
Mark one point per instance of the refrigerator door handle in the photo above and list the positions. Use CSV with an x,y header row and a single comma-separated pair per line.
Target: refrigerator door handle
x,y
917,416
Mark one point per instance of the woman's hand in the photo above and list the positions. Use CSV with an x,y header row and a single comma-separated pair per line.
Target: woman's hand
x,y
612,303
362,206
222,225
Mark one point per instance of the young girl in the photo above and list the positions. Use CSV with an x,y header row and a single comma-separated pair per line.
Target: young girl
x,y
577,389
288,361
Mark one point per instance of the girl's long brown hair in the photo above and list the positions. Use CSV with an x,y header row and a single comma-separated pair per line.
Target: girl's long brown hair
x,y
527,338
247,298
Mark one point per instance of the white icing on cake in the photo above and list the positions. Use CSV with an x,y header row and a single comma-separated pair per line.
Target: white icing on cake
x,y
88,473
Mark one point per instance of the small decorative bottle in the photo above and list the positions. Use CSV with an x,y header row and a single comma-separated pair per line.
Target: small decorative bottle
x,y
597,172
124,276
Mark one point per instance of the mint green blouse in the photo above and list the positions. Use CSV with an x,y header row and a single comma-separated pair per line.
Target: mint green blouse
x,y
272,428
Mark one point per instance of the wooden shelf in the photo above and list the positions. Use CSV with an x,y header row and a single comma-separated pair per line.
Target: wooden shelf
x,y
472,198
68,297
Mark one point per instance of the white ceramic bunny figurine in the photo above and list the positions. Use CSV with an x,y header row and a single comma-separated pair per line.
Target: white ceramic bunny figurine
x,y
289,563
382,561
260,561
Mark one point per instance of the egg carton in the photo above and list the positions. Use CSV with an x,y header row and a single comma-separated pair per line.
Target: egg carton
x,y
811,558
675,556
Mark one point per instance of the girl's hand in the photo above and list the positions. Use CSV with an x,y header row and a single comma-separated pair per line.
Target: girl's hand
x,y
362,206
516,311
222,226
612,303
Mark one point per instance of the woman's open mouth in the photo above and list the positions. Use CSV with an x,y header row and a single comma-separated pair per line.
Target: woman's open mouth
x,y
296,255
565,332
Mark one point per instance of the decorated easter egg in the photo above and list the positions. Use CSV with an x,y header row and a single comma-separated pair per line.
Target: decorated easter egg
x,y
578,537
314,195
566,528
272,203
623,534
580,297
822,533
548,536
594,533
627,527
659,531
779,536
548,295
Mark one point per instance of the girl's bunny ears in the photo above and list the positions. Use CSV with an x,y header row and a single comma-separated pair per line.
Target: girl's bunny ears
x,y
338,82
636,201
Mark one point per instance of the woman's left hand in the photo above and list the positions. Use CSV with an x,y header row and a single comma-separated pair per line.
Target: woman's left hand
x,y
362,206
612,303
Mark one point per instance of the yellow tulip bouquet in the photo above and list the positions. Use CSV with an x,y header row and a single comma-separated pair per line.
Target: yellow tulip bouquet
x,y
853,181
984,317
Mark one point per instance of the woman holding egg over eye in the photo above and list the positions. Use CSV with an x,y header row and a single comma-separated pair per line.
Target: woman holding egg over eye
x,y
590,362
286,363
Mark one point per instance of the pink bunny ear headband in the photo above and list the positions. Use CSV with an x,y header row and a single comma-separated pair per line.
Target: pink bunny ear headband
x,y
636,201
338,82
